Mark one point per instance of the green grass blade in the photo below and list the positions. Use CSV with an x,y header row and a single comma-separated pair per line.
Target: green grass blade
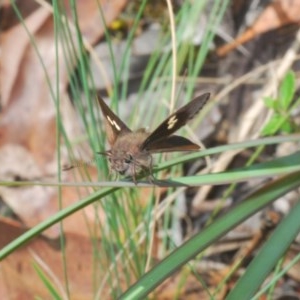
x,y
54,293
31,233
274,167
268,257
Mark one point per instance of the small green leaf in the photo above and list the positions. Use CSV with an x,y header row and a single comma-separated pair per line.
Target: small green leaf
x,y
273,125
287,90
269,102
287,127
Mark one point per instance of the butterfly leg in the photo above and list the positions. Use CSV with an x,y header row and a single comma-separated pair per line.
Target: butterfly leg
x,y
151,178
134,174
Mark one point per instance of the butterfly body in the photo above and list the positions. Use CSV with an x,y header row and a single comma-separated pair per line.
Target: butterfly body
x,y
126,157
131,151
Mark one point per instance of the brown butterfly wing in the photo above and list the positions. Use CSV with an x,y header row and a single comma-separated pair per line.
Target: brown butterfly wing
x,y
175,121
114,125
172,143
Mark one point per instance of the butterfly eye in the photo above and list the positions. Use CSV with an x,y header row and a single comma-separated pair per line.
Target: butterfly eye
x,y
129,159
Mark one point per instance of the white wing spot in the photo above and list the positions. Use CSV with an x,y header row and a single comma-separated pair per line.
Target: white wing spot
x,y
172,122
113,123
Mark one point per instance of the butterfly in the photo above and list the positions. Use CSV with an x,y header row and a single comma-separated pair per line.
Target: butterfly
x,y
131,151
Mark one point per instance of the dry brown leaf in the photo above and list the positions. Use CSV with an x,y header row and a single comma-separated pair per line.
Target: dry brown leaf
x,y
19,280
173,288
28,116
278,14
8,17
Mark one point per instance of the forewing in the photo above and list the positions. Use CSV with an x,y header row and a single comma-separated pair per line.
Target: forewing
x,y
176,120
172,143
114,125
